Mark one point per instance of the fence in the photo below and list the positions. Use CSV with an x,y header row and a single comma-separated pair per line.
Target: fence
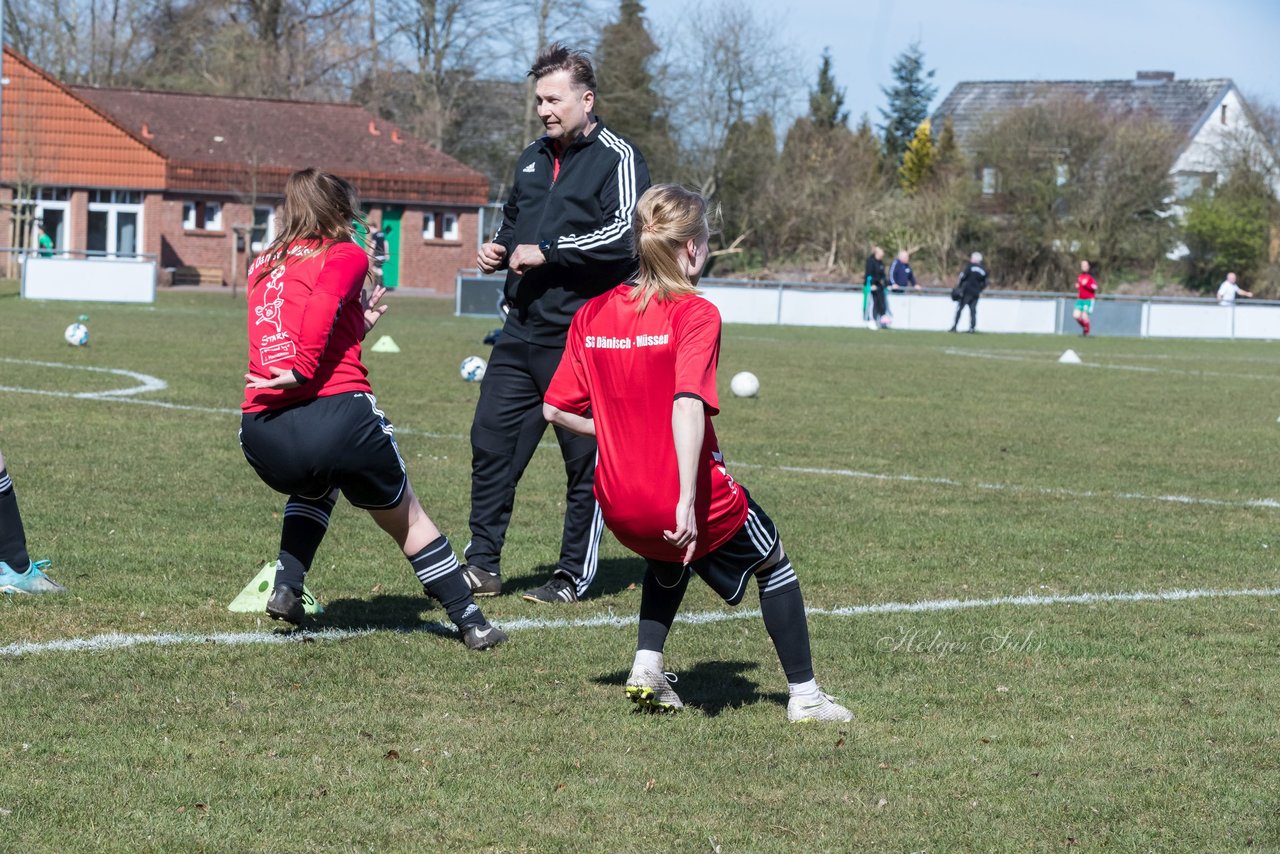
x,y
804,304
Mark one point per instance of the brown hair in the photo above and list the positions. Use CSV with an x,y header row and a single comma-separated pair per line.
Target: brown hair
x,y
667,217
318,207
556,57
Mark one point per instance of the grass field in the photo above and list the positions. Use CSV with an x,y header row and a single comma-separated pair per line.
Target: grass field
x,y
901,468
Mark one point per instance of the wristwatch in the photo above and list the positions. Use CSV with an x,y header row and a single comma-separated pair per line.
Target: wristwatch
x,y
544,246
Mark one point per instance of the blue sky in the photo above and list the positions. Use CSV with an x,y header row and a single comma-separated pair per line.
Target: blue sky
x,y
1022,40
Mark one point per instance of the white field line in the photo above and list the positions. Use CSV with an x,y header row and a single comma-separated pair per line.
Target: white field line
x,y
115,641
149,384
1049,358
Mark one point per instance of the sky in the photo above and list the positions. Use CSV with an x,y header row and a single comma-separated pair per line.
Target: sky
x,y
1020,40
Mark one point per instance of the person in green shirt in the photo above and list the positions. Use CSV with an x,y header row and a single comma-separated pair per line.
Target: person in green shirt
x,y
43,241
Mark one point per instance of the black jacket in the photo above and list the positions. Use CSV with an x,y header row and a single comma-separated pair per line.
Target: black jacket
x,y
972,281
585,215
875,271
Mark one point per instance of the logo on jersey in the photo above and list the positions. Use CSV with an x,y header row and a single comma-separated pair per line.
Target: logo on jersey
x,y
272,299
606,342
532,167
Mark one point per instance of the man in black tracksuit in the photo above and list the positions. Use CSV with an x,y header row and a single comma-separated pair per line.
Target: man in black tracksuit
x,y
565,238
875,281
972,282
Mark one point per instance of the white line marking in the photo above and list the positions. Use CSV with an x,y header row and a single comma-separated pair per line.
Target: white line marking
x,y
100,643
147,382
1050,358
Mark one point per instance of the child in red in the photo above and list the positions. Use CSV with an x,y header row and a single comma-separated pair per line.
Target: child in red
x,y
639,374
1086,290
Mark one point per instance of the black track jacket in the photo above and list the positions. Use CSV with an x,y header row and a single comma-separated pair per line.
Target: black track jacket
x,y
585,214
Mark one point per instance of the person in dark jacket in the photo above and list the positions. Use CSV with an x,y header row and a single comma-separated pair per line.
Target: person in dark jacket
x,y
972,282
875,283
565,238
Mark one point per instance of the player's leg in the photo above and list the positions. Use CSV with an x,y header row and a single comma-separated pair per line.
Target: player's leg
x,y
973,314
583,524
660,597
18,573
757,550
1085,313
505,433
371,475
306,520
955,324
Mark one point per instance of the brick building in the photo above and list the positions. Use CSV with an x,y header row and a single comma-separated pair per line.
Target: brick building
x,y
194,179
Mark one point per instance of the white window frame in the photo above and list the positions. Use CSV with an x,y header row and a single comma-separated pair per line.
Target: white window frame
x,y
990,180
192,219
270,235
113,203
428,225
450,227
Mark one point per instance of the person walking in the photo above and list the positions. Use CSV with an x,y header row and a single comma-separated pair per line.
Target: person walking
x,y
639,374
1086,292
310,425
565,237
875,285
971,285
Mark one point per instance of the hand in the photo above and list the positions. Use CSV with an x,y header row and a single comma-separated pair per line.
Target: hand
x,y
370,304
283,378
525,258
685,536
489,259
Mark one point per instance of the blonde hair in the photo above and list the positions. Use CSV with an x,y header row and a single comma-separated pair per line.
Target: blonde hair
x,y
319,207
667,217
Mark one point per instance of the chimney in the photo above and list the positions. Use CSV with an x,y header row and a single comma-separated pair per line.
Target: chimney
x,y
1155,77
395,136
373,128
146,131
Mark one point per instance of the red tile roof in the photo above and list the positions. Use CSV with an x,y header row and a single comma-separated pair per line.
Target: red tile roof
x,y
228,144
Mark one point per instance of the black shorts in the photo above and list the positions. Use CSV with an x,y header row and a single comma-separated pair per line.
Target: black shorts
x,y
342,441
727,568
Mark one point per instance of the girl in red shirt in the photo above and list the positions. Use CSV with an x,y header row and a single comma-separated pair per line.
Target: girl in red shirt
x,y
639,374
311,427
1086,290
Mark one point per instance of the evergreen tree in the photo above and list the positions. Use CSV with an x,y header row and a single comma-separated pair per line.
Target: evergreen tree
x,y
919,160
948,149
909,100
826,101
628,100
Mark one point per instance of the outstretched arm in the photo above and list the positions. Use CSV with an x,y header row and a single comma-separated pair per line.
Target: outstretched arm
x,y
579,424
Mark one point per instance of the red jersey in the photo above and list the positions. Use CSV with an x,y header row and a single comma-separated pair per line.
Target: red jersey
x,y
305,315
1086,286
625,369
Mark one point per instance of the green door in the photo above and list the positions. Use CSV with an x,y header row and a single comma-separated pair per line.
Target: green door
x,y
391,227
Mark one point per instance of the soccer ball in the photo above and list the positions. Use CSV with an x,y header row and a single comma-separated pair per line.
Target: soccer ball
x,y
744,384
472,369
77,335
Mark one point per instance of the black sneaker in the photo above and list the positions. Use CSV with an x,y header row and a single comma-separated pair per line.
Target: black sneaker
x,y
558,589
483,636
481,581
286,605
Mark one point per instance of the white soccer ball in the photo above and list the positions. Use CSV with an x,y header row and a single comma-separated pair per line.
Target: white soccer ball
x,y
472,369
77,335
744,384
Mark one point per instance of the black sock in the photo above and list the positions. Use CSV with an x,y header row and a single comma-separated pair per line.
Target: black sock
x,y
13,539
784,619
305,522
660,599
437,569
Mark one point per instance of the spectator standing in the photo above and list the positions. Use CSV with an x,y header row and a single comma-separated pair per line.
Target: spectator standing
x,y
900,275
1229,290
973,281
875,286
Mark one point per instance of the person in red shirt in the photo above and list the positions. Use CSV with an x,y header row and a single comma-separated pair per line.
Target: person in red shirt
x,y
639,374
1086,290
311,427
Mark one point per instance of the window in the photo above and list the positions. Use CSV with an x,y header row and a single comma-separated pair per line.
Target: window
x,y
1187,184
115,223
1224,114
1061,174
428,226
449,227
264,228
49,209
202,216
990,180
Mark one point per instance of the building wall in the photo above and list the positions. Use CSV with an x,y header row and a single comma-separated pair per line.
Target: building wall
x,y
1216,142
432,263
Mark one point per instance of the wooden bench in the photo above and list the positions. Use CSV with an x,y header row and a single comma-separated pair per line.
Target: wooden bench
x,y
198,276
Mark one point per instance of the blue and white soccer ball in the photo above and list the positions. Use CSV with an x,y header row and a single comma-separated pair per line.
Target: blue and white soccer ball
x,y
472,369
77,335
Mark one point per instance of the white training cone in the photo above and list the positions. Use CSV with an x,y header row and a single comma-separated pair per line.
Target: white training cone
x,y
1069,358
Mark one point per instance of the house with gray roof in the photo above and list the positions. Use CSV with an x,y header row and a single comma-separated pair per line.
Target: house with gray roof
x,y
1211,116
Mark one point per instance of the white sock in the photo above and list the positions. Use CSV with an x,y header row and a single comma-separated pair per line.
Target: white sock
x,y
803,689
648,659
